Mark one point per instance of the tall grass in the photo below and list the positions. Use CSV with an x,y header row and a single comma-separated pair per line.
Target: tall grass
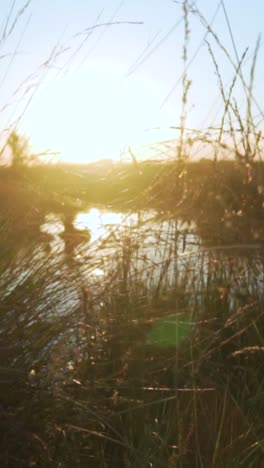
x,y
159,361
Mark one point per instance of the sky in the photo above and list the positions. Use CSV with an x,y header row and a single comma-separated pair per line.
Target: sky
x,y
88,79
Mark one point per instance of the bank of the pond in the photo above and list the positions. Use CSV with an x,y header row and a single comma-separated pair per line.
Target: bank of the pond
x,y
139,344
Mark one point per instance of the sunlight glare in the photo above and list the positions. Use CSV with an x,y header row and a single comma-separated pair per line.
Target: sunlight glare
x,y
94,114
100,223
96,221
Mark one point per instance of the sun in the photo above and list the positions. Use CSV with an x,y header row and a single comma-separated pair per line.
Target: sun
x,y
93,114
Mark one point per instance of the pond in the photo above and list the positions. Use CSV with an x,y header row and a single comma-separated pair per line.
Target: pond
x,y
99,233
133,252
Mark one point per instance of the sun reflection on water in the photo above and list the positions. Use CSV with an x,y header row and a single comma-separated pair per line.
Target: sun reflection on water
x,y
99,222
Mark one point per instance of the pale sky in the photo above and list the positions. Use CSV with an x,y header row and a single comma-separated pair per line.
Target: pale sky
x,y
105,88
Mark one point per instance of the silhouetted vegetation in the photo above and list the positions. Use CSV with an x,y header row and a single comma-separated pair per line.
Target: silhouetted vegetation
x,y
141,346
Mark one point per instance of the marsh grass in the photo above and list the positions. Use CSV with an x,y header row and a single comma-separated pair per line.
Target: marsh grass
x,y
165,371
158,362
